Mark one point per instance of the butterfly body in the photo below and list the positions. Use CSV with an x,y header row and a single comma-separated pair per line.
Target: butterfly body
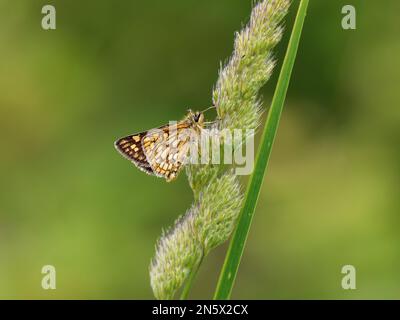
x,y
162,151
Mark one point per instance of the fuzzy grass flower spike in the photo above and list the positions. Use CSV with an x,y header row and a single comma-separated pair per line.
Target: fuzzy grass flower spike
x,y
177,252
250,67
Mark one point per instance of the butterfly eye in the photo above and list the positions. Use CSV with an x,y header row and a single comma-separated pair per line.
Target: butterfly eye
x,y
196,116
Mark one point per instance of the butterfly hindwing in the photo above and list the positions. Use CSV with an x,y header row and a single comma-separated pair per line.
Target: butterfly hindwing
x,y
166,149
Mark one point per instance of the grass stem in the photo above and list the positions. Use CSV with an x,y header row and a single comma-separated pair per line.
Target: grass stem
x,y
238,241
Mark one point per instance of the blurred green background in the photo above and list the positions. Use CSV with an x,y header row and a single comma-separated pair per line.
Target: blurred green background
x,y
67,198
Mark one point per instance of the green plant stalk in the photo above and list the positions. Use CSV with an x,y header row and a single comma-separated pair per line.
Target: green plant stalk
x,y
236,247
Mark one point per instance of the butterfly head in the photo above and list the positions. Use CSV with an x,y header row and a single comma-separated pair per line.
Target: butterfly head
x,y
197,118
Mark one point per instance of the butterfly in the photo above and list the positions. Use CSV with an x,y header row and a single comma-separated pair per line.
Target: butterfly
x,y
163,151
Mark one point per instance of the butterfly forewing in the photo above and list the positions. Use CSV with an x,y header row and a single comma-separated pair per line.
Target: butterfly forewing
x,y
131,148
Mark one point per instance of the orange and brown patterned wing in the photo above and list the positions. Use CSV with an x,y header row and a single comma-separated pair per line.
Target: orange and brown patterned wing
x,y
166,149
160,152
131,148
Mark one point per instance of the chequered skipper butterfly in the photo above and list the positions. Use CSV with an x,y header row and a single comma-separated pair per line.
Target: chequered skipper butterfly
x,y
162,151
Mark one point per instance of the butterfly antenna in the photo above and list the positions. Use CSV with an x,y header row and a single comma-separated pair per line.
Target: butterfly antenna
x,y
209,108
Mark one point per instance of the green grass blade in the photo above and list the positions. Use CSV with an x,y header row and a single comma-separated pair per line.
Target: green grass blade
x,y
236,247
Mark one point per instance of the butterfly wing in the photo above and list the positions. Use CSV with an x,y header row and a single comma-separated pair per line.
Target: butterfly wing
x,y
167,149
160,152
131,148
